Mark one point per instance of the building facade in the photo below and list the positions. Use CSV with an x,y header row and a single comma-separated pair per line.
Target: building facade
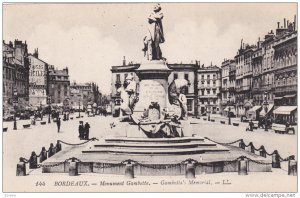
x,y
266,71
81,94
285,63
15,73
228,84
209,89
59,86
38,80
8,73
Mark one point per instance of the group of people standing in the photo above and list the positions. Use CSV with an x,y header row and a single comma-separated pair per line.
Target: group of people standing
x,y
84,130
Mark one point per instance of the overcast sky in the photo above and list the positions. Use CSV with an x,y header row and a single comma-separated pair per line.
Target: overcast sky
x,y
89,39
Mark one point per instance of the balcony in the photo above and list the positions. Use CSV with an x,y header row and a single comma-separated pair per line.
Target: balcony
x,y
267,87
224,88
246,88
208,96
286,88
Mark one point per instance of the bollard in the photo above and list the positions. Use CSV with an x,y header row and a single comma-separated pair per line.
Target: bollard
x,y
21,168
33,161
275,160
292,167
243,167
262,152
242,144
58,146
73,168
43,156
129,171
190,171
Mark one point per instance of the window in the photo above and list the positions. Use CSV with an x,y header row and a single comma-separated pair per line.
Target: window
x,y
118,78
186,76
65,93
175,76
214,91
202,92
58,92
208,91
208,81
190,105
202,76
126,76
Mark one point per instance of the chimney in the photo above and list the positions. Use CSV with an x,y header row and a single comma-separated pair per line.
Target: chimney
x,y
124,61
284,23
278,25
287,23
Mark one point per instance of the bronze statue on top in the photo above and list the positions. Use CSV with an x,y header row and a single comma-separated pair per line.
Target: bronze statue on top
x,y
155,35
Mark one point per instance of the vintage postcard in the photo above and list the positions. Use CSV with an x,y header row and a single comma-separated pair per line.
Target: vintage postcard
x,y
150,97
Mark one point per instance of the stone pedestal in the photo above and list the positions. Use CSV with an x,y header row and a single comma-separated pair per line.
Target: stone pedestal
x,y
153,85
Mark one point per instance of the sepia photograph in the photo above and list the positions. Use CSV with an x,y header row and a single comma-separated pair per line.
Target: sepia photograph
x,y
150,97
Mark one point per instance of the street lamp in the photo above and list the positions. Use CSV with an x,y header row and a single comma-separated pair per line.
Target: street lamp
x,y
229,108
49,105
15,105
265,104
41,111
79,108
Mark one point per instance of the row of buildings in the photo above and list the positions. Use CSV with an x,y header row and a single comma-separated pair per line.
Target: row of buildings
x,y
264,71
267,69
30,81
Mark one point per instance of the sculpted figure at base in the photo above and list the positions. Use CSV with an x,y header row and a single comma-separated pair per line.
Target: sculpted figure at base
x,y
177,97
155,35
128,96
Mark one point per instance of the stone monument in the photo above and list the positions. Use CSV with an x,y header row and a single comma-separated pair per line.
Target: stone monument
x,y
153,73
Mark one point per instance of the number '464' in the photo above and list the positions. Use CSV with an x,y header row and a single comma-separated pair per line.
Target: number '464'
x,y
40,183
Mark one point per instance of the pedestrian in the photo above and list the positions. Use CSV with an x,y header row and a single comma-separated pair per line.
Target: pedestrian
x,y
251,125
81,130
86,131
58,124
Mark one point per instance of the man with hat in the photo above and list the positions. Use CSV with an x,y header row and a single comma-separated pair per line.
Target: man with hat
x,y
86,131
81,130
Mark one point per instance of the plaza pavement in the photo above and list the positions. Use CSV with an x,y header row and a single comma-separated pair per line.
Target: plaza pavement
x,y
21,142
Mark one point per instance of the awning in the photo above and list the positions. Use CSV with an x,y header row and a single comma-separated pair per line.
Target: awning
x,y
290,96
278,98
263,113
255,108
285,110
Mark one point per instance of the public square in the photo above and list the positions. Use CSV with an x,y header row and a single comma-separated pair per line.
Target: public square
x,y
21,142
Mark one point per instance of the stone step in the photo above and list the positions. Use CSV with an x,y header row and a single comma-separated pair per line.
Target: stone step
x,y
181,151
155,146
155,140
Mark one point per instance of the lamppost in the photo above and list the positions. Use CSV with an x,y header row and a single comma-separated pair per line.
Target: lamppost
x,y
229,108
15,107
265,104
79,108
41,107
49,108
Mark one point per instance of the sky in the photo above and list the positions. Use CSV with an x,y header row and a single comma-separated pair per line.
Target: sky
x,y
90,38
